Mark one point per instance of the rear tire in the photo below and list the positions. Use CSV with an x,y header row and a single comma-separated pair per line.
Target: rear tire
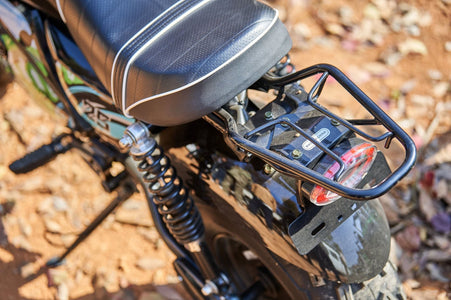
x,y
228,252
386,285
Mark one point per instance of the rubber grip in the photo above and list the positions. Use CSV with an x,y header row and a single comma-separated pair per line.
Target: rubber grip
x,y
34,159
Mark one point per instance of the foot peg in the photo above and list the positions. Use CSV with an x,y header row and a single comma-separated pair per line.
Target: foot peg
x,y
42,155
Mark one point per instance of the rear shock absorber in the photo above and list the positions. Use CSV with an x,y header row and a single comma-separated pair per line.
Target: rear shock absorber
x,y
177,209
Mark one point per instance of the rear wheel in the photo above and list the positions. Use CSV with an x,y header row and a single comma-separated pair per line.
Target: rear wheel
x,y
386,285
244,268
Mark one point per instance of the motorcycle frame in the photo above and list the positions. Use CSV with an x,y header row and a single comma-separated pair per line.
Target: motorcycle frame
x,y
41,33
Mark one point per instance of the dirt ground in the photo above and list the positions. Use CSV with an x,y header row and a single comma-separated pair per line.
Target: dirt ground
x,y
399,53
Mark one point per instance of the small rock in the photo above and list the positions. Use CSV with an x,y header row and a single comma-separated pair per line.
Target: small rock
x,y
448,46
412,46
24,227
302,30
346,15
52,226
371,12
59,204
21,242
27,270
435,74
62,292
335,29
414,30
57,277
390,56
412,17
68,239
150,264
440,89
425,19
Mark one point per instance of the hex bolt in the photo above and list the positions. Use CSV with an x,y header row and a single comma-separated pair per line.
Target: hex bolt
x,y
296,153
268,115
126,141
334,122
268,169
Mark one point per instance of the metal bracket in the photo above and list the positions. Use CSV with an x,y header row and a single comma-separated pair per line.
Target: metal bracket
x,y
243,138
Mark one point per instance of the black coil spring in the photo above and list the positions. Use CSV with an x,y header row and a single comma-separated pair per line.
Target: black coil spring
x,y
179,213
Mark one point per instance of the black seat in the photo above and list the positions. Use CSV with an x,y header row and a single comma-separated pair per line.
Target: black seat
x,y
169,62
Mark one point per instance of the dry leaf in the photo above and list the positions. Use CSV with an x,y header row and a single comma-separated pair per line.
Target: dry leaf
x,y
426,205
409,238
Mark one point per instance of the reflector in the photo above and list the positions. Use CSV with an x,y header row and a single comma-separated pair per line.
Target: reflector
x,y
357,160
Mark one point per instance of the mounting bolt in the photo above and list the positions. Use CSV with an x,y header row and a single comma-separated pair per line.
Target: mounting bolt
x,y
268,169
268,115
334,122
296,153
285,124
126,141
209,288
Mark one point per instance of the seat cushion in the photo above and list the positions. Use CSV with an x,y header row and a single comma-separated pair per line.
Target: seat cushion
x,y
170,62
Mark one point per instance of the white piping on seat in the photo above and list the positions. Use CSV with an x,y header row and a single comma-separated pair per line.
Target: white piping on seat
x,y
137,53
126,110
132,39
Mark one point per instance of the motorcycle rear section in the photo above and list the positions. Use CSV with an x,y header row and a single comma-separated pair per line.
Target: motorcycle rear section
x,y
252,190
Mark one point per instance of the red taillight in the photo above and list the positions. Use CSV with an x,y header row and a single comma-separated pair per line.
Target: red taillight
x,y
358,160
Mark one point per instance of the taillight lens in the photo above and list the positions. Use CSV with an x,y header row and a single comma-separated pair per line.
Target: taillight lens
x,y
358,161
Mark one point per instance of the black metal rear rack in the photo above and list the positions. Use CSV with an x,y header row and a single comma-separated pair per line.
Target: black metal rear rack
x,y
293,167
